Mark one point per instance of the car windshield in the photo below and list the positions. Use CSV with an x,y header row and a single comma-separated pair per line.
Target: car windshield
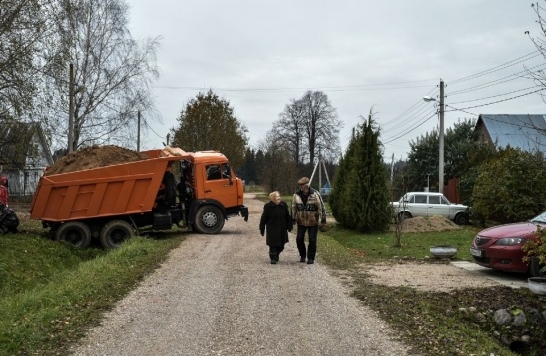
x,y
540,218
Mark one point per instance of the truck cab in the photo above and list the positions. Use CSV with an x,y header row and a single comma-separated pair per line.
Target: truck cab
x,y
209,188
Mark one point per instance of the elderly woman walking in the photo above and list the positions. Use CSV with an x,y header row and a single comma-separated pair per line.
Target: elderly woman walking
x,y
275,222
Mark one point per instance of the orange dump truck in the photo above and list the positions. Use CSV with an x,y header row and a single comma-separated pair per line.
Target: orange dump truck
x,y
114,202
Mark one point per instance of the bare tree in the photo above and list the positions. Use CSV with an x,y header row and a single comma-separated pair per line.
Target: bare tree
x,y
24,28
322,125
112,75
289,129
278,171
309,127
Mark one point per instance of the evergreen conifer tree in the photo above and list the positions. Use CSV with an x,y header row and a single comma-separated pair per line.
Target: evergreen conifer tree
x,y
360,190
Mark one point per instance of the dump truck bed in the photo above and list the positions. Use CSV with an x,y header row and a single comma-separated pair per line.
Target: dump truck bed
x,y
128,188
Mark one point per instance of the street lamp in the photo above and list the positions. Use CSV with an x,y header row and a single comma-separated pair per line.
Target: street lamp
x,y
441,137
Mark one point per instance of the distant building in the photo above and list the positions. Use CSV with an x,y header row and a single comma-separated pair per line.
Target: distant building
x,y
526,132
24,154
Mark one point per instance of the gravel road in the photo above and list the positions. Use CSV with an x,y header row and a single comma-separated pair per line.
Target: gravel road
x,y
219,295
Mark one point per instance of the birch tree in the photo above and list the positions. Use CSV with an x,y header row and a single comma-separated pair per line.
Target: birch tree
x,y
112,75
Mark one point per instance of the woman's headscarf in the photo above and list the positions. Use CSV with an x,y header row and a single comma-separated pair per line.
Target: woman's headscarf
x,y
273,196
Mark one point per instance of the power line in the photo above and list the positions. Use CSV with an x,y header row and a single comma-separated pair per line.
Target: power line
x,y
495,82
417,103
500,101
517,75
495,96
499,67
455,109
413,128
379,86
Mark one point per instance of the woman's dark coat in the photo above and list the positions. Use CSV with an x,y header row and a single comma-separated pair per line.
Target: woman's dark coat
x,y
276,222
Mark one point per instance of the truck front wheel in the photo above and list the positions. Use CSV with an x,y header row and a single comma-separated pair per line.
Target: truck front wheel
x,y
75,233
209,220
115,233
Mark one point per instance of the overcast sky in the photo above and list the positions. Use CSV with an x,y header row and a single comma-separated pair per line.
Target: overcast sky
x,y
386,54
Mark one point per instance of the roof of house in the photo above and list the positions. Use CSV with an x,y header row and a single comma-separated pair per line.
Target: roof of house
x,y
527,132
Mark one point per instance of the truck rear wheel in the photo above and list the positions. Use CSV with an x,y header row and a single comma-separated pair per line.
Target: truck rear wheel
x,y
115,233
209,220
75,233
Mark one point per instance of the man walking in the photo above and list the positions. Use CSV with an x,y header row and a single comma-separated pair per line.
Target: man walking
x,y
307,211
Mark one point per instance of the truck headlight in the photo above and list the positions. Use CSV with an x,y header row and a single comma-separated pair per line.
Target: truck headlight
x,y
510,241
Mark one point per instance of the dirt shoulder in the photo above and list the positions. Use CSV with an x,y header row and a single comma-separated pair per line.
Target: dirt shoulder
x,y
439,277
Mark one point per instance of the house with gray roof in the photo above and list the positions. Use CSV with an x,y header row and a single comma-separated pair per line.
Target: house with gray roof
x,y
526,131
24,154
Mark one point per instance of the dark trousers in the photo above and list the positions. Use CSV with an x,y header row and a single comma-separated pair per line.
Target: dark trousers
x,y
275,251
300,241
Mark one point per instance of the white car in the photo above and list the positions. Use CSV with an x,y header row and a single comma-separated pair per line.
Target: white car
x,y
427,204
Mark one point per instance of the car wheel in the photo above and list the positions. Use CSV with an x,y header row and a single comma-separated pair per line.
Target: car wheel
x,y
75,233
535,266
461,219
403,215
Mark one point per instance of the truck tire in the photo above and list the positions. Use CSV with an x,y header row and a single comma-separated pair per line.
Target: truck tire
x,y
75,233
209,220
115,232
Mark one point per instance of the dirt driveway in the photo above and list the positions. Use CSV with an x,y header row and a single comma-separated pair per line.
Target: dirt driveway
x,y
219,295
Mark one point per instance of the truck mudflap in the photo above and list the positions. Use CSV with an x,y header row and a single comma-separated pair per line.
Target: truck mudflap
x,y
244,212
238,210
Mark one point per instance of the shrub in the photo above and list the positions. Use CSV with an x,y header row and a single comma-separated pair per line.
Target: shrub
x,y
537,249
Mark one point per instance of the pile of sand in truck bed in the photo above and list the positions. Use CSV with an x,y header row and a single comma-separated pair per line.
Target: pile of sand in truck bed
x,y
94,157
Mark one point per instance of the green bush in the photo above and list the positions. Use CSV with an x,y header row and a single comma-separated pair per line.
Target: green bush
x,y
510,187
536,249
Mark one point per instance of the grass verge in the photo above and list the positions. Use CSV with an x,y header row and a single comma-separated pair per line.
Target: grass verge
x,y
52,293
432,323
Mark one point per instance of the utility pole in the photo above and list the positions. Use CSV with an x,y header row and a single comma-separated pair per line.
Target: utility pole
x,y
441,140
71,109
392,168
138,133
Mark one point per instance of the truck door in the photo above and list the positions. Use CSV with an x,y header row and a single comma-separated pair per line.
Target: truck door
x,y
220,184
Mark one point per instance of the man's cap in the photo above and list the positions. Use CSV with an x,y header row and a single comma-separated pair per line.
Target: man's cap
x,y
303,180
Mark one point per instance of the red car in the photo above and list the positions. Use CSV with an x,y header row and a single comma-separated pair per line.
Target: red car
x,y
499,247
